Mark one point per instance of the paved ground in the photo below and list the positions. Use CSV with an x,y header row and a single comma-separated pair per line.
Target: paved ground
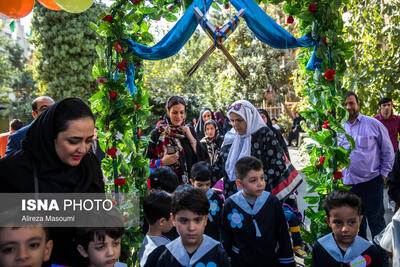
x,y
300,161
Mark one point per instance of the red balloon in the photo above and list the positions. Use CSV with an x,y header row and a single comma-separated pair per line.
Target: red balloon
x,y
50,4
16,9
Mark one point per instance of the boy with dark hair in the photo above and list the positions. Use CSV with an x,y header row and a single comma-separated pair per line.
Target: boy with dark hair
x,y
189,215
163,178
24,246
157,212
201,178
343,247
101,246
254,228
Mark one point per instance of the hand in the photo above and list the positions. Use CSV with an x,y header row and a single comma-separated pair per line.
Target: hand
x,y
384,178
188,133
170,159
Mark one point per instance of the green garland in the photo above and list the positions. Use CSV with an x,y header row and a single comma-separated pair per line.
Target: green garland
x,y
122,117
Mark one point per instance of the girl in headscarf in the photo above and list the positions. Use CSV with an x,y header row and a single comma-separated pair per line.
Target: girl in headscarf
x,y
172,143
56,158
265,116
205,115
212,141
251,137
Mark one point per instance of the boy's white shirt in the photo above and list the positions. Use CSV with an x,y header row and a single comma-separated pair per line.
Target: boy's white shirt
x,y
151,243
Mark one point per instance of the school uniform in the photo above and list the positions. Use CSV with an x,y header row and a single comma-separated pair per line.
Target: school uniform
x,y
256,235
149,244
361,253
213,227
210,253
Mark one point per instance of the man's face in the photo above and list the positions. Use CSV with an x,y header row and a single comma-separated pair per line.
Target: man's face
x,y
352,107
24,246
41,106
386,109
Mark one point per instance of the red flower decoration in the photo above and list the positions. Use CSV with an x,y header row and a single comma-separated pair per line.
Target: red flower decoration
x,y
321,160
159,19
324,41
101,80
113,95
136,1
137,106
315,131
139,132
227,6
118,47
120,181
367,259
289,20
121,65
170,7
329,75
337,175
312,7
218,28
112,152
148,183
108,18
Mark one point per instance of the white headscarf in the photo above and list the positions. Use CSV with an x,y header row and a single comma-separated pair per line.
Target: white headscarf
x,y
241,144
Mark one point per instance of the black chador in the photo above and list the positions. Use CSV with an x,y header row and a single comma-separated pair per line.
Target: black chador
x,y
210,253
256,234
213,227
361,253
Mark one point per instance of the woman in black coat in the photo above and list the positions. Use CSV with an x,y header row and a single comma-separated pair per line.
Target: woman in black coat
x,y
56,158
172,143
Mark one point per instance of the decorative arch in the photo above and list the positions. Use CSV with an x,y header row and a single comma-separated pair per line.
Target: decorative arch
x,y
122,104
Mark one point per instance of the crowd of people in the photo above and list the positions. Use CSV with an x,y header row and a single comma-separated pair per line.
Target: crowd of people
x,y
222,190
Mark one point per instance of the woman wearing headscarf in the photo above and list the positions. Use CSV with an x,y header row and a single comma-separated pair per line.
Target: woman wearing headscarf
x,y
251,137
265,116
172,143
212,142
56,158
205,115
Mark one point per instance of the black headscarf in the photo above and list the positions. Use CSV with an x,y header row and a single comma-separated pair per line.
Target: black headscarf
x,y
200,124
38,155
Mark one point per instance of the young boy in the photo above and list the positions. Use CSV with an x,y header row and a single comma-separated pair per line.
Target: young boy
x,y
343,247
157,210
100,245
24,246
254,228
163,178
189,215
201,178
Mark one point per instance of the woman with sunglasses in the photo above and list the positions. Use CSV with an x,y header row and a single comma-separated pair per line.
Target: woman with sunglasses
x,y
250,136
172,142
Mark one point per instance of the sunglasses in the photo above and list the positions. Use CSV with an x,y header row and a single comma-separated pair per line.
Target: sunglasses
x,y
236,107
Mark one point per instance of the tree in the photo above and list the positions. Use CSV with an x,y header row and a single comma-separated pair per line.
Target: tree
x,y
216,82
373,71
19,88
65,52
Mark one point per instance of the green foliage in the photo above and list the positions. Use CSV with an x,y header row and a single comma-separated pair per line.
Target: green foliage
x,y
18,88
373,70
216,82
65,52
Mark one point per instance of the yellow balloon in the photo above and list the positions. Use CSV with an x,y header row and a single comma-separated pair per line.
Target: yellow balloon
x,y
74,6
